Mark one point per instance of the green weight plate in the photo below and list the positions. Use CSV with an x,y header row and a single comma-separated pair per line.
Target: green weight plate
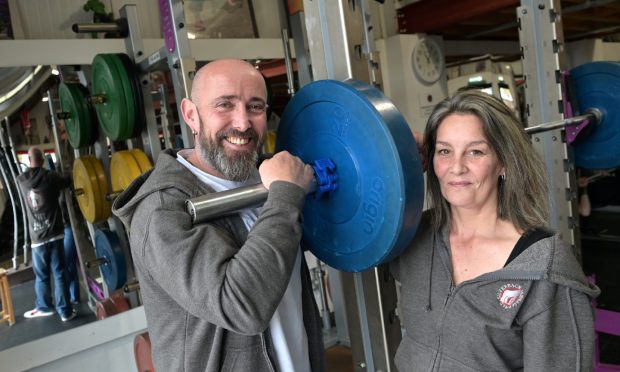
x,y
136,89
123,75
112,113
78,124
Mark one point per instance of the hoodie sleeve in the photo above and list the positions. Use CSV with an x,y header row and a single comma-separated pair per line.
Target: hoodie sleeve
x,y
561,338
203,270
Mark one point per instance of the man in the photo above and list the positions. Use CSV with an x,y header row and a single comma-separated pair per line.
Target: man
x,y
41,189
234,293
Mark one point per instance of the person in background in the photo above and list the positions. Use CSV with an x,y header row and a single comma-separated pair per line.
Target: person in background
x,y
41,189
597,189
234,293
73,282
485,284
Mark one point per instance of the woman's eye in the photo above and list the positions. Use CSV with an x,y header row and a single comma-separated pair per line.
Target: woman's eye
x,y
443,152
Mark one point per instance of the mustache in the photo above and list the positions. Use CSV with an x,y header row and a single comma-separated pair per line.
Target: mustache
x,y
250,133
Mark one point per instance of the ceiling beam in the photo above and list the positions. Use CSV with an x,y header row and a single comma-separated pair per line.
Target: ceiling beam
x,y
431,15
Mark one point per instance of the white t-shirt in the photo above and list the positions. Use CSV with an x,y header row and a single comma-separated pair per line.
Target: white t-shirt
x,y
287,324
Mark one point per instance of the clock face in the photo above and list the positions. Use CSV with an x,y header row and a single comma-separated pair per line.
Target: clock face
x,y
427,61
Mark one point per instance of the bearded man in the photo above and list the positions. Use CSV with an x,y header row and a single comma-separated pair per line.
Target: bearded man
x,y
232,294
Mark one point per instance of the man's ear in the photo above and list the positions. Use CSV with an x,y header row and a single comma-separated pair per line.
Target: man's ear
x,y
190,114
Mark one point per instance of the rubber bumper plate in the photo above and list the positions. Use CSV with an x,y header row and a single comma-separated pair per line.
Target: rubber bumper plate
x,y
373,214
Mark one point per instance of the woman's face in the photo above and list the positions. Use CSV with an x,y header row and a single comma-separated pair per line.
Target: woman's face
x,y
465,163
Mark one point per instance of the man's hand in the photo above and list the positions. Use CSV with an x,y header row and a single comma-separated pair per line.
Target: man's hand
x,y
285,167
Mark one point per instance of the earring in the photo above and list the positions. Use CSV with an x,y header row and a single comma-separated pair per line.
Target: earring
x,y
503,177
194,132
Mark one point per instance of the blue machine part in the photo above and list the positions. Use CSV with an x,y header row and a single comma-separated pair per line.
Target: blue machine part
x,y
597,85
114,271
373,214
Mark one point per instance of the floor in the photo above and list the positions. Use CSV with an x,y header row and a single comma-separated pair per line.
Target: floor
x,y
25,330
339,359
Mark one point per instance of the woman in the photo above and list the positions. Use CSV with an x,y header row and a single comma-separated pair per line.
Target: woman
x,y
485,284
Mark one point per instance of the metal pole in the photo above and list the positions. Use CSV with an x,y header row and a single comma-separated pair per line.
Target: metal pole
x,y
327,324
206,207
593,114
288,63
10,191
22,202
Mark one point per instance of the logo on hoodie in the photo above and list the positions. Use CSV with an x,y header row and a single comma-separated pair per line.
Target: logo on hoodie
x,y
509,295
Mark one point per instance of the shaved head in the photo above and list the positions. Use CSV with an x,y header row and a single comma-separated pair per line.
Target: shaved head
x,y
227,115
212,72
35,155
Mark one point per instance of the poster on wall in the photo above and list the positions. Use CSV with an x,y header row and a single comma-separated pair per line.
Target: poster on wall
x,y
220,19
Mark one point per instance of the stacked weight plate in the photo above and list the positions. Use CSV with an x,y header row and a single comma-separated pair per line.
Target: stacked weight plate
x,y
77,113
117,96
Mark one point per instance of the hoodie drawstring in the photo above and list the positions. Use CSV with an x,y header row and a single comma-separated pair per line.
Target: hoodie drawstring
x,y
430,275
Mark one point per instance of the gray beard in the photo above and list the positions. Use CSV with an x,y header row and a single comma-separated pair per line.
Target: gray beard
x,y
238,167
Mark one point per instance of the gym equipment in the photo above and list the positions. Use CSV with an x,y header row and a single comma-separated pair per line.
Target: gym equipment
x,y
142,352
91,188
597,85
110,259
373,214
126,166
595,134
112,305
77,114
116,96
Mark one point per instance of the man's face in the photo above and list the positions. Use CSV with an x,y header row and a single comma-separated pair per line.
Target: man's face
x,y
233,121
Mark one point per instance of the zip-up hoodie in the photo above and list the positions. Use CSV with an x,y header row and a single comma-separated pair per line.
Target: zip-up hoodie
x,y
40,189
535,314
210,290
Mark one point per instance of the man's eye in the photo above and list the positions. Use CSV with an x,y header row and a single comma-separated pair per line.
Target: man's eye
x,y
257,108
225,106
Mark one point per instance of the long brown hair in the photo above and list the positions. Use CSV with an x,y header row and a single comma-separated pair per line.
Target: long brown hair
x,y
523,193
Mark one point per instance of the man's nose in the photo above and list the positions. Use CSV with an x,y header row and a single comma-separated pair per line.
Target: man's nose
x,y
241,119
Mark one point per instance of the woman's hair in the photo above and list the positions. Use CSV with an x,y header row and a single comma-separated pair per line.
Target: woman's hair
x,y
522,195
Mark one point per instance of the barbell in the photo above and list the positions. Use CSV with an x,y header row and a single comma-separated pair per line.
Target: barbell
x,y
374,211
373,214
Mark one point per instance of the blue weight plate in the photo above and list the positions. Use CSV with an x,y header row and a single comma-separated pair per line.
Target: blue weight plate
x,y
597,85
108,247
373,215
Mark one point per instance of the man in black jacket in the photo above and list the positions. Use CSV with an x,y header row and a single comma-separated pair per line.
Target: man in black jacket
x,y
41,189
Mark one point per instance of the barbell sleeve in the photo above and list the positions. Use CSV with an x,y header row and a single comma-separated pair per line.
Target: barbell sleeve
x,y
593,114
217,204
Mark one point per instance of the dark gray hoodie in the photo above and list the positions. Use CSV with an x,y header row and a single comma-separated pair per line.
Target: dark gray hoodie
x,y
535,314
210,290
41,190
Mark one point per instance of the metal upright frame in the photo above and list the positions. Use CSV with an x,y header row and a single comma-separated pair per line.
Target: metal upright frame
x,y
542,46
341,46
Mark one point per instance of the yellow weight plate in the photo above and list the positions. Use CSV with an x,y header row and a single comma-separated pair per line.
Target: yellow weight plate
x,y
143,161
106,208
123,170
87,189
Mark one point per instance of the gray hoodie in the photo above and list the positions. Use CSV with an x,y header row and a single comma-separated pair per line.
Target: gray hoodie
x,y
210,290
535,314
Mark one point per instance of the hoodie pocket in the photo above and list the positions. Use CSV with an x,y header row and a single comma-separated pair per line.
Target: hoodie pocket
x,y
250,358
